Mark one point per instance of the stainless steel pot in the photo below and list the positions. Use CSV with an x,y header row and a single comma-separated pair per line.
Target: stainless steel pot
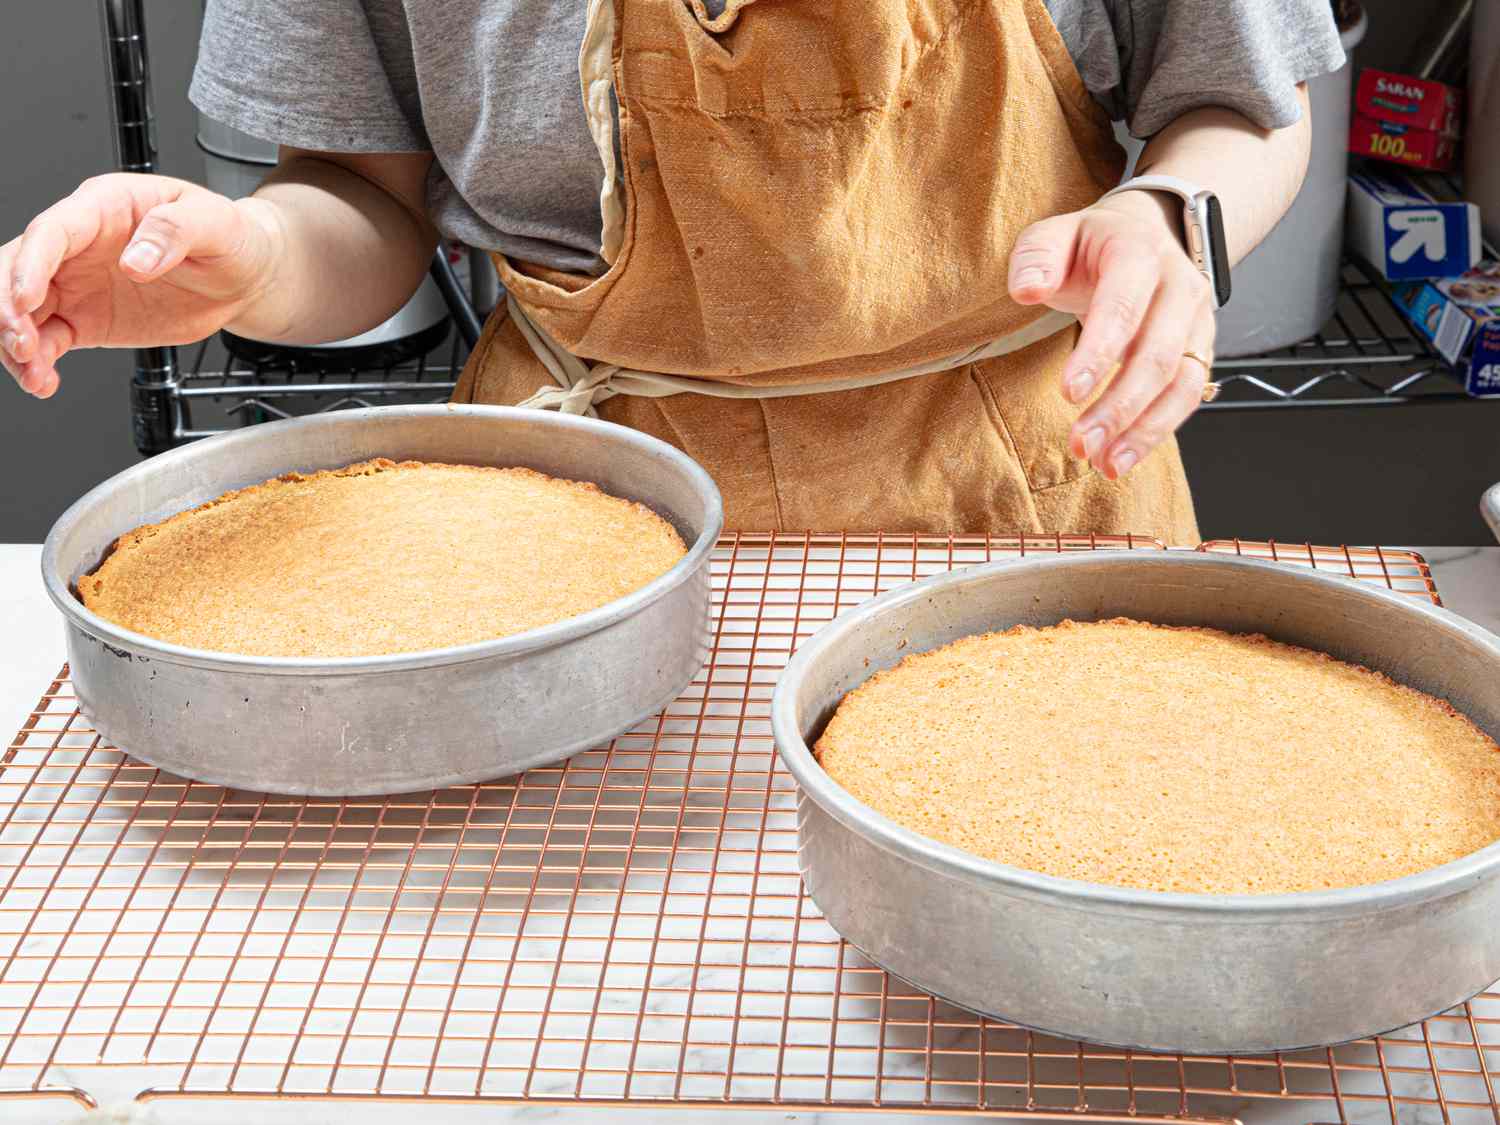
x,y
1489,507
1199,973
387,724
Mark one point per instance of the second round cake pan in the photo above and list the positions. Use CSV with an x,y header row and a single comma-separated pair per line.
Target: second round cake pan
x,y
1205,974
357,726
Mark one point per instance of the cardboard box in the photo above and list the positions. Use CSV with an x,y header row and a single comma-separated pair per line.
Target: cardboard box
x,y
1405,233
1461,317
1417,103
1401,144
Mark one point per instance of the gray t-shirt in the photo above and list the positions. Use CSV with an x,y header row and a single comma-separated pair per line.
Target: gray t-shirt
x,y
491,87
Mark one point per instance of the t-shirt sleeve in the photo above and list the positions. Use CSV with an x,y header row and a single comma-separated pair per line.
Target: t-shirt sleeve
x,y
1150,61
327,74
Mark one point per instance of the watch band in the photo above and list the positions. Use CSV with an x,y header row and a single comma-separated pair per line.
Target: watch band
x,y
1200,240
1185,190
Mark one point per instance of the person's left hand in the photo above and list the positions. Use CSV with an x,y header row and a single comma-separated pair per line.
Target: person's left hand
x,y
1121,268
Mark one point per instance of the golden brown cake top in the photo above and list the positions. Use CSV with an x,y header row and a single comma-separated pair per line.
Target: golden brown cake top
x,y
380,557
1174,759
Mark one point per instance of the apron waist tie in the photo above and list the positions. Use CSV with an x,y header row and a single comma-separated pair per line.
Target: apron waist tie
x,y
581,386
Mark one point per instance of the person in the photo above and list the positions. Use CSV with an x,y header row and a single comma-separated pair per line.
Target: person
x,y
859,258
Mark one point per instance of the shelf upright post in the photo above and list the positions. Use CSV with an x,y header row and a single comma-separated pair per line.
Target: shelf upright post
x,y
153,401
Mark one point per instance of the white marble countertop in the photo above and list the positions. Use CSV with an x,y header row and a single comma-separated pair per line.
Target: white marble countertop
x,y
31,652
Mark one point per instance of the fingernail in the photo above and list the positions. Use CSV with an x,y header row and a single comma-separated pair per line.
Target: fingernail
x,y
1093,441
1080,383
142,257
1124,461
1031,275
17,287
11,343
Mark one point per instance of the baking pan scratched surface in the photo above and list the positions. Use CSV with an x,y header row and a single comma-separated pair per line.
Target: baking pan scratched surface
x,y
627,928
1147,969
406,721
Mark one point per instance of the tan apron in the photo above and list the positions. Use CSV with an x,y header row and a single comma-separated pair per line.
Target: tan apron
x,y
817,193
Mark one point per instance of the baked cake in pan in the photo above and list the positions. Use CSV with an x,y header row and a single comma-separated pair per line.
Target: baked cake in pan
x,y
380,557
1167,758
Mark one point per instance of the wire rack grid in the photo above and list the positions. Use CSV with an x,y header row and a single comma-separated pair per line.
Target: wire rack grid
x,y
626,928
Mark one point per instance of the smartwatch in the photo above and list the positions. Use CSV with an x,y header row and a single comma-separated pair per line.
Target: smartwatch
x,y
1202,227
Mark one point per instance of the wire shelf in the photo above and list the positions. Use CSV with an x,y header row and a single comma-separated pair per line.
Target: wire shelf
x,y
627,928
1367,355
219,391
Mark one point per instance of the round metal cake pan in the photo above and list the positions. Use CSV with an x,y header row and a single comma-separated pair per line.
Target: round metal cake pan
x,y
409,721
1209,974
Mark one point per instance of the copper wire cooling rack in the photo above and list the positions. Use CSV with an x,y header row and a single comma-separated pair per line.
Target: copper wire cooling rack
x,y
626,928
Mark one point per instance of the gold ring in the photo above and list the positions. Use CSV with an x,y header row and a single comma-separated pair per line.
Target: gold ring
x,y
1210,389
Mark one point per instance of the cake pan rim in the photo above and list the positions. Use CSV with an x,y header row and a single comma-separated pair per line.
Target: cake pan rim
x,y
130,643
814,783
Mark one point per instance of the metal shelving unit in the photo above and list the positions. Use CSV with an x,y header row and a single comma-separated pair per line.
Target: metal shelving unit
x,y
216,391
1367,355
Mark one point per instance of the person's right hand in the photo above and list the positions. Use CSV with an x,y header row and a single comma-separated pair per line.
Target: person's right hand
x,y
129,261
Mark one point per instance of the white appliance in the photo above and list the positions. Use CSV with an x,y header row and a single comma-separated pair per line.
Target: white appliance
x,y
235,164
1286,288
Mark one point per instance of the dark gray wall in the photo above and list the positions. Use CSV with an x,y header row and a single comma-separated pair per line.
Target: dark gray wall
x,y
54,122
1399,475
1394,475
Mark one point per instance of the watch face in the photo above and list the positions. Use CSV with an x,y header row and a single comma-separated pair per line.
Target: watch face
x,y
1218,251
